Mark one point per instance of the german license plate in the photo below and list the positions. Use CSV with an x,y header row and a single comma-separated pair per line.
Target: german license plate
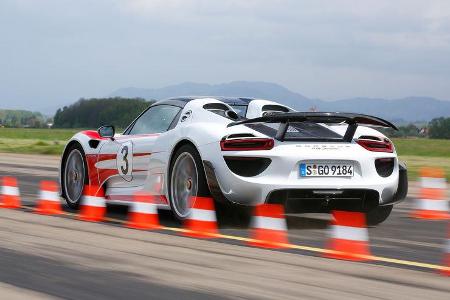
x,y
326,170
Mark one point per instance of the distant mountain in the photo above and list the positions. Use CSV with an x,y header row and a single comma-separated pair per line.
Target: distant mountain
x,y
264,90
410,109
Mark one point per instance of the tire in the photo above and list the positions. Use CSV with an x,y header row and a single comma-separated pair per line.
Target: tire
x,y
234,215
378,215
186,179
74,176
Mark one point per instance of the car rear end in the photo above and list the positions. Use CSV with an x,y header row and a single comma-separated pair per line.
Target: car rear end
x,y
308,166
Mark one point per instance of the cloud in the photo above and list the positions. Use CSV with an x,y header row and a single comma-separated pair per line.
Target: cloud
x,y
59,50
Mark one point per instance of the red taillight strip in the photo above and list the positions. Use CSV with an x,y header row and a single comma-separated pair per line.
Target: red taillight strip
x,y
377,146
246,144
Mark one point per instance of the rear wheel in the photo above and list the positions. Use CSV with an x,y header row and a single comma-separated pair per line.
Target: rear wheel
x,y
235,215
74,176
378,215
187,180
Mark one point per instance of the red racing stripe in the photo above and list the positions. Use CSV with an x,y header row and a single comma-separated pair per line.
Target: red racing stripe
x,y
91,160
102,157
93,134
99,176
141,154
104,174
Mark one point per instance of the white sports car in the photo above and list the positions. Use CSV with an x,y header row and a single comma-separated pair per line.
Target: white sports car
x,y
240,151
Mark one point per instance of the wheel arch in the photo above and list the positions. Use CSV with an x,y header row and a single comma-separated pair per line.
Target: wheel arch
x,y
69,146
177,146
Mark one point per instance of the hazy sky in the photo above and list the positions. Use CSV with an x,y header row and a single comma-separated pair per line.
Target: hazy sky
x,y
53,52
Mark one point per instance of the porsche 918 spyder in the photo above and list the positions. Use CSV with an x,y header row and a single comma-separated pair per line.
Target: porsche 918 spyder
x,y
242,152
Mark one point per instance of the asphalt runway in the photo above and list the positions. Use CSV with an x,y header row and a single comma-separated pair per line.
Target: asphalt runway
x,y
38,251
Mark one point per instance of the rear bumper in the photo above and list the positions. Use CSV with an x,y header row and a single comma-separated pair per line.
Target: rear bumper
x,y
325,200
402,189
318,197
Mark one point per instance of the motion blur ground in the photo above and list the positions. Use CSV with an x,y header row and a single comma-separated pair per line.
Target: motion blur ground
x,y
81,260
139,263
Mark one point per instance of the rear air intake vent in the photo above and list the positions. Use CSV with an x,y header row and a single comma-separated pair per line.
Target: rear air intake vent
x,y
247,166
370,137
221,110
93,143
213,106
275,108
384,166
239,136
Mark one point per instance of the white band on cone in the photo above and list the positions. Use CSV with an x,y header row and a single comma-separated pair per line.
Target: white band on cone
x,y
143,207
349,233
10,190
202,215
93,201
432,204
269,223
49,196
433,183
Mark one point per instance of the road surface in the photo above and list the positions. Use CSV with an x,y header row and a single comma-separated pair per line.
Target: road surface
x,y
65,258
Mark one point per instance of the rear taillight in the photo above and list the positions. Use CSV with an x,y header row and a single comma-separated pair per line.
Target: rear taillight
x,y
246,144
377,146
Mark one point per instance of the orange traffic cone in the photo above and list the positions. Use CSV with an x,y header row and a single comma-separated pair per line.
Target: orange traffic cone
x,y
49,203
10,195
349,236
93,207
432,203
446,263
144,213
202,222
269,227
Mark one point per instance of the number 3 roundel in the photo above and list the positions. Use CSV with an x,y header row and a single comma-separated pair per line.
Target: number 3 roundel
x,y
125,161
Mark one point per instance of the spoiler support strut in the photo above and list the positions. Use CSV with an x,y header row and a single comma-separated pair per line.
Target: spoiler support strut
x,y
282,131
351,129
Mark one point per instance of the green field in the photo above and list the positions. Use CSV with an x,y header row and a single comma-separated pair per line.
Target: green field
x,y
415,152
422,147
37,134
419,153
34,141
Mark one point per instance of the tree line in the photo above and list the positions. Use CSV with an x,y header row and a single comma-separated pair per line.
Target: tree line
x,y
92,113
438,128
22,118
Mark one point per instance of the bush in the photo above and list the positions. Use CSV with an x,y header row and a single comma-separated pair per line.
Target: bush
x,y
439,128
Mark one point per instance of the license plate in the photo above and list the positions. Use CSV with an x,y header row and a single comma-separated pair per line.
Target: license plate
x,y
326,170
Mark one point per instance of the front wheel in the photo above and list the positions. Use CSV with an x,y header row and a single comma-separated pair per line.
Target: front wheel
x,y
378,215
74,176
187,180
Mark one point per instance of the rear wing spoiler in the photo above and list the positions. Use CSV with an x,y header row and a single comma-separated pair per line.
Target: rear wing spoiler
x,y
352,119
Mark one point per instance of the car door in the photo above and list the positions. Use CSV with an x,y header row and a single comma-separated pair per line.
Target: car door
x,y
126,160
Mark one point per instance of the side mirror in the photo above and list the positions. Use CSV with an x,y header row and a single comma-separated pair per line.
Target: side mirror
x,y
107,131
